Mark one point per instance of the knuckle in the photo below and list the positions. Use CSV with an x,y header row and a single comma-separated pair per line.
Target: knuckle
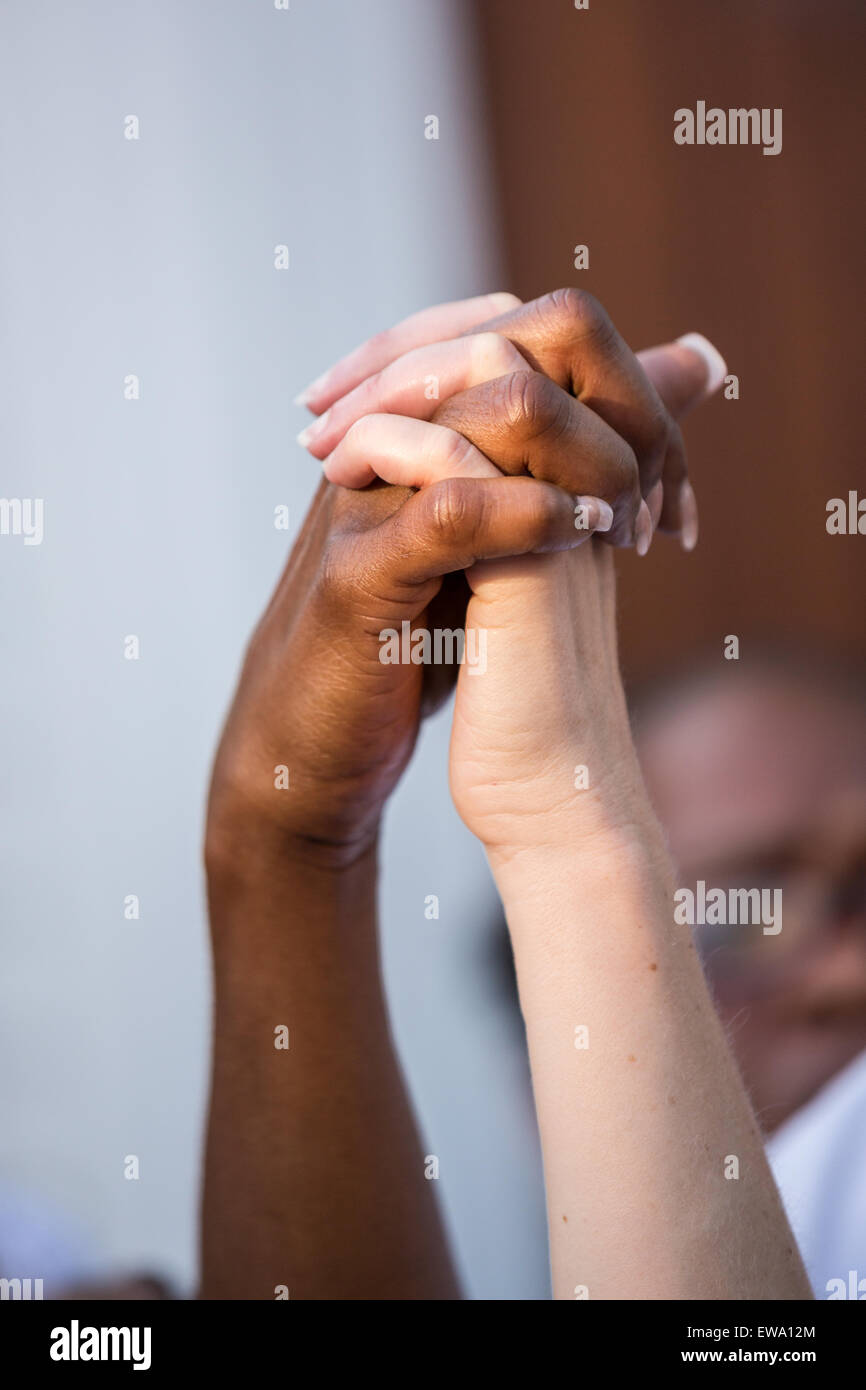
x,y
504,301
449,508
494,355
532,401
581,312
359,437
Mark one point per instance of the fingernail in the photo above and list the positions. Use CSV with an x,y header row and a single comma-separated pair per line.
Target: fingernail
x,y
314,388
311,432
605,515
688,516
655,501
715,363
643,529
592,514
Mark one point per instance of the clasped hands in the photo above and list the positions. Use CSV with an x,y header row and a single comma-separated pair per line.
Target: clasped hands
x,y
460,448
482,459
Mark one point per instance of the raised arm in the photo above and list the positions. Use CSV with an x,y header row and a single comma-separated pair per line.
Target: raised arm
x,y
314,1181
656,1178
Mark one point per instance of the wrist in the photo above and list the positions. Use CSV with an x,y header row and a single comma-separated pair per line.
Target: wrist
x,y
266,886
572,816
270,899
241,844
575,861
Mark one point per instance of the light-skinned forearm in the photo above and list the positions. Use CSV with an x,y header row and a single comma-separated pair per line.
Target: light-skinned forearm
x,y
645,1121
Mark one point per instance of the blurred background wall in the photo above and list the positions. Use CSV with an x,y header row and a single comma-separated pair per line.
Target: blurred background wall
x,y
762,254
155,257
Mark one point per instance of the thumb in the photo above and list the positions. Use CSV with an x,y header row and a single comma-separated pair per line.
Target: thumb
x,y
685,372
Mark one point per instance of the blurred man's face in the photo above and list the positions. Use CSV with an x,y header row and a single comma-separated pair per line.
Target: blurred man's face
x,y
763,785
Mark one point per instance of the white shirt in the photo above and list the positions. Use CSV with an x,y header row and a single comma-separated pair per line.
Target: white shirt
x,y
819,1160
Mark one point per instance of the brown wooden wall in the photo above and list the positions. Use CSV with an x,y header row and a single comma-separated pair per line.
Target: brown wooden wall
x,y
762,254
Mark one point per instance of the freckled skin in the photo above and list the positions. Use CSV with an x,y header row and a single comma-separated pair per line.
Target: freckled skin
x,y
746,774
